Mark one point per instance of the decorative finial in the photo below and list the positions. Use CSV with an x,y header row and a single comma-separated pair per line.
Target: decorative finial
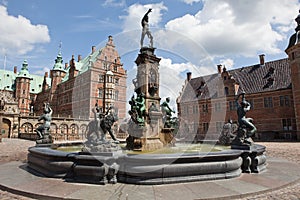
x,y
60,46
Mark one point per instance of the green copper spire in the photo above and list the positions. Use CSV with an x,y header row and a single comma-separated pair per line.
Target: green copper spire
x,y
24,73
58,63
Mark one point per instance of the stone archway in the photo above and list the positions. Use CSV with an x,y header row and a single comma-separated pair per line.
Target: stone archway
x,y
5,128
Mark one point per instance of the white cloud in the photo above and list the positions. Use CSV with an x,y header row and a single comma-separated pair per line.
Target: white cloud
x,y
136,12
114,3
18,36
228,63
238,27
173,75
191,1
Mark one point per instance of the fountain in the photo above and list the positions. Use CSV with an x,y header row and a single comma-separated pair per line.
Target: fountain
x,y
150,129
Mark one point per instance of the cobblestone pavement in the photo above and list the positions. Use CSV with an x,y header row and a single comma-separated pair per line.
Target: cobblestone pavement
x,y
291,152
13,150
16,150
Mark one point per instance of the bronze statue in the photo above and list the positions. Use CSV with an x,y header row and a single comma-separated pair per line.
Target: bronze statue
x,y
97,129
107,122
146,30
43,131
246,128
167,113
138,109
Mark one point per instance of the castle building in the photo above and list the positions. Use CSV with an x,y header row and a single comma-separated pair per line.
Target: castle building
x,y
73,89
208,102
272,89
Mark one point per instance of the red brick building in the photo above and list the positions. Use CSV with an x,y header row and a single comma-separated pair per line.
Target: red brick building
x,y
77,86
207,102
72,89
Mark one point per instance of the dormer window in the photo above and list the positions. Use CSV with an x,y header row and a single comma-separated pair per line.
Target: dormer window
x,y
270,81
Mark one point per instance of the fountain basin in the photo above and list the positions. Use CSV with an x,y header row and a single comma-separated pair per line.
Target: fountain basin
x,y
112,167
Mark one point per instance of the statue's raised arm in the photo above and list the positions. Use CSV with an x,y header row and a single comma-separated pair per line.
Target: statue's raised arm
x,y
146,31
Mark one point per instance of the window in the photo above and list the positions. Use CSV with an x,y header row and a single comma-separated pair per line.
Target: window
x,y
217,107
195,109
284,101
109,94
24,91
2,104
100,93
117,81
287,124
116,95
23,101
205,127
232,105
109,79
226,90
101,78
104,65
185,109
268,102
115,68
205,108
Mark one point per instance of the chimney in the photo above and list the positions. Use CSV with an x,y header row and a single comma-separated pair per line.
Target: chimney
x,y
66,65
219,68
15,69
46,75
262,59
93,49
189,76
79,58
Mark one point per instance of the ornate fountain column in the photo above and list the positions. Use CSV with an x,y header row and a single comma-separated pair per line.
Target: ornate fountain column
x,y
147,79
146,135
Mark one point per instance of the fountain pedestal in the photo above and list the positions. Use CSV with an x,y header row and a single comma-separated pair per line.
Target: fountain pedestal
x,y
146,136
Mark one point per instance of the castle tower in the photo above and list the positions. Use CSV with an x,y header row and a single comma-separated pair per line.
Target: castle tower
x,y
23,89
293,52
56,74
147,79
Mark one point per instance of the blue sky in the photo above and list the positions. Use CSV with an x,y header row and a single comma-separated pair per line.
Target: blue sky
x,y
190,35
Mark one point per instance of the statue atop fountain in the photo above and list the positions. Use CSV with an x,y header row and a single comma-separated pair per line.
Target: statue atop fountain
x,y
43,131
145,30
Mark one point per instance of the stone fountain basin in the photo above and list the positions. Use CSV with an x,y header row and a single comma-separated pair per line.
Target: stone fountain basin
x,y
145,168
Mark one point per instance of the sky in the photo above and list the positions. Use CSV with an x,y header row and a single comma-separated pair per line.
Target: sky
x,y
189,35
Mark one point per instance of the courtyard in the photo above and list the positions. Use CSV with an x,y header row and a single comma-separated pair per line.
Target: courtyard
x,y
15,150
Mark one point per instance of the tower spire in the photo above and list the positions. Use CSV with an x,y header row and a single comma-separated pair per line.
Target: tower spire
x,y
60,46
